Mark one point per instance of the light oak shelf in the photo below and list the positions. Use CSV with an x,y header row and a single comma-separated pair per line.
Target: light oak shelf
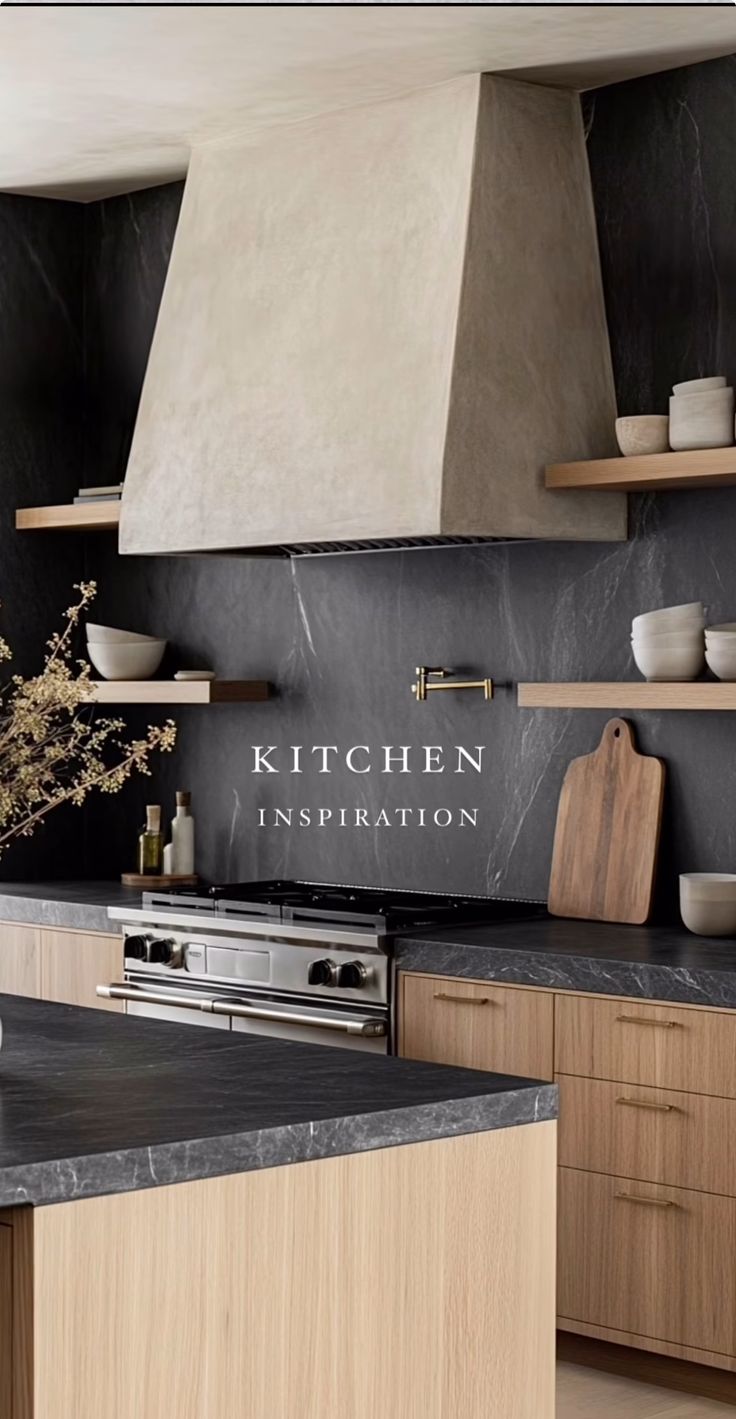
x,y
696,468
69,517
635,694
180,692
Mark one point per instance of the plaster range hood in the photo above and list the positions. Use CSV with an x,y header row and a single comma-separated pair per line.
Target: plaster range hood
x,y
377,327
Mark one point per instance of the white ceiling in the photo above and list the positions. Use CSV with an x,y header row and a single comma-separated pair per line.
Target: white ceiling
x,y
96,99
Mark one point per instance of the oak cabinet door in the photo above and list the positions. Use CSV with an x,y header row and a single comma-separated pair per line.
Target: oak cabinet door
x,y
477,1025
6,1320
645,1259
20,960
74,963
639,1042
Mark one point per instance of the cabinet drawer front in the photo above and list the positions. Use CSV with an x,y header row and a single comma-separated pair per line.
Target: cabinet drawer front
x,y
686,1140
639,1043
652,1260
477,1025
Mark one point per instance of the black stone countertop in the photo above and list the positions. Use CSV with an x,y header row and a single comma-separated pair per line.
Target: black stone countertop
x,y
76,906
649,962
92,1102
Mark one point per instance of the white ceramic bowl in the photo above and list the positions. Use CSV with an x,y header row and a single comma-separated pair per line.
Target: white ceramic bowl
x,y
682,629
708,902
643,433
726,628
700,386
109,635
668,617
721,660
668,662
134,661
675,640
702,420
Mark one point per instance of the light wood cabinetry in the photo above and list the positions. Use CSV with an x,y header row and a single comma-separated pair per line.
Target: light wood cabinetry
x,y
74,963
641,1043
51,964
6,1321
20,960
479,1026
647,1150
415,1281
655,1134
650,1259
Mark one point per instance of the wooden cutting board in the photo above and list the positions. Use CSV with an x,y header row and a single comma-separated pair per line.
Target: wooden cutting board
x,y
607,836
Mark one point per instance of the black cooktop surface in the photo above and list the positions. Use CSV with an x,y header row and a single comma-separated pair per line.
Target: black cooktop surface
x,y
381,908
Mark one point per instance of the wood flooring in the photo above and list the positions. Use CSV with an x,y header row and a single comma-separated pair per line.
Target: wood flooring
x,y
590,1394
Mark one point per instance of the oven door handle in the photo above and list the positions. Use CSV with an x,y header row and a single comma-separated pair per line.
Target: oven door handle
x,y
346,1025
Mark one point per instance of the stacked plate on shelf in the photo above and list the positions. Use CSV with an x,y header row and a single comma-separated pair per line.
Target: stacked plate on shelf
x,y
669,644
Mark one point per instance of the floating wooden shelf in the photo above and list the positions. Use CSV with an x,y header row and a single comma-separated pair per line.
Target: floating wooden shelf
x,y
635,695
179,692
701,468
69,517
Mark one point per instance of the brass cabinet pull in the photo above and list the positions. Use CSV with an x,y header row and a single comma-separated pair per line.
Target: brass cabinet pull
x,y
643,1020
647,1104
462,999
649,1201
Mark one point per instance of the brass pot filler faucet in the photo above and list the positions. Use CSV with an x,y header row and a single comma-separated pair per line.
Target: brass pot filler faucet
x,y
432,677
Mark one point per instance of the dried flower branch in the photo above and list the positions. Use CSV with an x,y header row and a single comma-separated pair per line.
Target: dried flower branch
x,y
51,751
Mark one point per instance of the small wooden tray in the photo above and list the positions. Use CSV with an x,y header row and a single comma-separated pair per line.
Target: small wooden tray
x,y
136,879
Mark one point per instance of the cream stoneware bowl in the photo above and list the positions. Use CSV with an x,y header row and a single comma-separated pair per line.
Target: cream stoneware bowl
x,y
668,663
109,635
642,433
722,661
670,640
702,419
133,661
700,386
668,617
708,902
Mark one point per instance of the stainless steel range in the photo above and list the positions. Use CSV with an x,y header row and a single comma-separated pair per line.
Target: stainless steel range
x,y
301,960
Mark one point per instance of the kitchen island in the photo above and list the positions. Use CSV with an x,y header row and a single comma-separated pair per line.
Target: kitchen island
x,y
203,1226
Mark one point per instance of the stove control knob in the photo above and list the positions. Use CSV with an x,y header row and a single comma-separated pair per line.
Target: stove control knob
x,y
164,952
136,948
322,973
352,976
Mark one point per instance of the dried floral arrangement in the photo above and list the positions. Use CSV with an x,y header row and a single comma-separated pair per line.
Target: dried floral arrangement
x,y
53,748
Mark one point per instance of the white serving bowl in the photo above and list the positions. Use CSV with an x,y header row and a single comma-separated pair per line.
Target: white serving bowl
x,y
721,660
702,420
643,433
668,617
695,643
687,630
726,628
680,662
700,386
132,661
708,902
109,635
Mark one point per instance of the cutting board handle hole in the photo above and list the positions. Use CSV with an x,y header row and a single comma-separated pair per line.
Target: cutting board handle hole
x,y
617,733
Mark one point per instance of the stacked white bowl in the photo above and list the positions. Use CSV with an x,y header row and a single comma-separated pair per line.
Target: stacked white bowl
x,y
720,650
701,414
669,644
123,655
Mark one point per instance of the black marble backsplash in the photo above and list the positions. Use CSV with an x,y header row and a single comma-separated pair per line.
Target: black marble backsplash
x,y
341,636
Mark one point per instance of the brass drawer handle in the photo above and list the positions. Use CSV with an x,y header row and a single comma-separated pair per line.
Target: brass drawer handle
x,y
642,1020
462,999
649,1201
647,1104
